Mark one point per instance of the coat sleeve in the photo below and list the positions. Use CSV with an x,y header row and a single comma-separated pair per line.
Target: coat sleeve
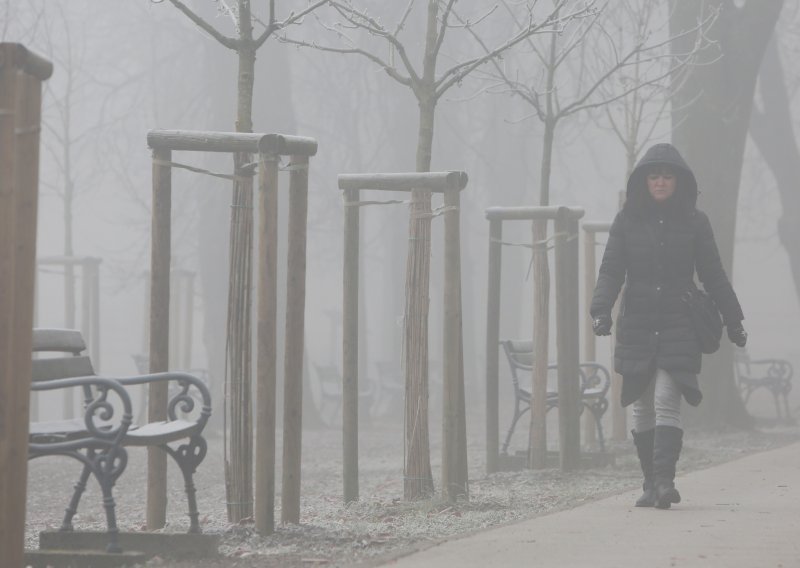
x,y
612,271
712,274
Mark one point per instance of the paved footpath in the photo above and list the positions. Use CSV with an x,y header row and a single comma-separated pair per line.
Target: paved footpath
x,y
742,514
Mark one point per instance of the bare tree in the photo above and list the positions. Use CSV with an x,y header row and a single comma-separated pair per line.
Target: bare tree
x,y
771,127
428,85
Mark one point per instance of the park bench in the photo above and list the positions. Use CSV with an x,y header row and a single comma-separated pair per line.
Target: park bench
x,y
595,381
99,438
329,406
774,375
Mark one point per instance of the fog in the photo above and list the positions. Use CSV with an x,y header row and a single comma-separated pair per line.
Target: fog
x,y
124,68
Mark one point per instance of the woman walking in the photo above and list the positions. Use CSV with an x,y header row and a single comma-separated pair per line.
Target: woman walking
x,y
655,244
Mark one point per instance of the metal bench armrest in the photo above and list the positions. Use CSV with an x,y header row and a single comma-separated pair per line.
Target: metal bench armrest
x,y
98,410
182,401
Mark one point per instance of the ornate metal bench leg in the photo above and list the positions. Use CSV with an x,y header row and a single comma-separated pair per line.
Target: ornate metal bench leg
x,y
597,412
80,487
778,410
788,413
517,415
188,457
108,467
111,520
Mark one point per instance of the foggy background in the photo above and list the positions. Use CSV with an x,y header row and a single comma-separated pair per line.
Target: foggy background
x,y
123,68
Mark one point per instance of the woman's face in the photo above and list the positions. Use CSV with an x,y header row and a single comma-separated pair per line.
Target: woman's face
x,y
661,183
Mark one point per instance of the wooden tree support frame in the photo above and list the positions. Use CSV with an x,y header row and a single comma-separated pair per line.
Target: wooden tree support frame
x,y
619,429
21,75
454,455
270,148
567,332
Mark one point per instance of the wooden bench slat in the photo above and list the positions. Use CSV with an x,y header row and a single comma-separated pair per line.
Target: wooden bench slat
x,y
63,340
43,431
61,368
159,433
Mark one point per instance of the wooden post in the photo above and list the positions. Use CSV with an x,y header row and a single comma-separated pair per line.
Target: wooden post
x,y
94,323
295,325
188,321
13,431
537,447
266,343
567,341
492,345
619,416
174,318
589,344
350,345
454,474
21,74
159,332
619,431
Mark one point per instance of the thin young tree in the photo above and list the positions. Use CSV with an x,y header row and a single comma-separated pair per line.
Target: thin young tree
x,y
251,33
590,68
428,84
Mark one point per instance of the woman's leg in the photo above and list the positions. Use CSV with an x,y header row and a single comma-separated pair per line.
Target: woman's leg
x,y
666,400
668,438
644,423
644,410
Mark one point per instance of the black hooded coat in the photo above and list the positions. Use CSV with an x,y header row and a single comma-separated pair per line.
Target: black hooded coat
x,y
654,249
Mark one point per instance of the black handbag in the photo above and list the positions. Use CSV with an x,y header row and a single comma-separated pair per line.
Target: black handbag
x,y
705,318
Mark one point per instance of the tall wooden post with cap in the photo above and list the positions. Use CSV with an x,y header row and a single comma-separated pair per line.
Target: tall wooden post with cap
x,y
21,77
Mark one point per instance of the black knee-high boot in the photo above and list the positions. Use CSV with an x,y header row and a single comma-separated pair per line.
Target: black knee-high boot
x,y
666,450
644,442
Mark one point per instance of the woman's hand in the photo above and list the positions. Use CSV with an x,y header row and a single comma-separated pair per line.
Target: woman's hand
x,y
601,325
737,334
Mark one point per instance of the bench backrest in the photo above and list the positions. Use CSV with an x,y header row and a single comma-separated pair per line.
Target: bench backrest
x,y
520,358
67,342
595,378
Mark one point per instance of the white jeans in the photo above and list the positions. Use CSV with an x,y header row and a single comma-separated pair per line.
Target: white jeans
x,y
659,405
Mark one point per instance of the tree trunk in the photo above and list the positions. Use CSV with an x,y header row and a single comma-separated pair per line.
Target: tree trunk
x,y
418,477
711,114
771,129
537,446
239,458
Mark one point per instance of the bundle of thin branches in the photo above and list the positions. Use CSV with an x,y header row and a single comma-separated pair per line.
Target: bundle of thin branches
x,y
418,482
238,389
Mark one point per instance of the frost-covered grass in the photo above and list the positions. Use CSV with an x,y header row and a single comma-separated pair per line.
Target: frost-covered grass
x,y
380,524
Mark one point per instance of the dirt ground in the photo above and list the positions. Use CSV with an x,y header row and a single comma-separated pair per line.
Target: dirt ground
x,y
381,525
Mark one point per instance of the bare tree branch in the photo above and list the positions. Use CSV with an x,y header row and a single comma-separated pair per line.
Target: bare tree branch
x,y
458,72
443,28
228,42
292,19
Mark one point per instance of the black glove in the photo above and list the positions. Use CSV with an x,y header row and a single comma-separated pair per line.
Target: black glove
x,y
737,334
601,325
